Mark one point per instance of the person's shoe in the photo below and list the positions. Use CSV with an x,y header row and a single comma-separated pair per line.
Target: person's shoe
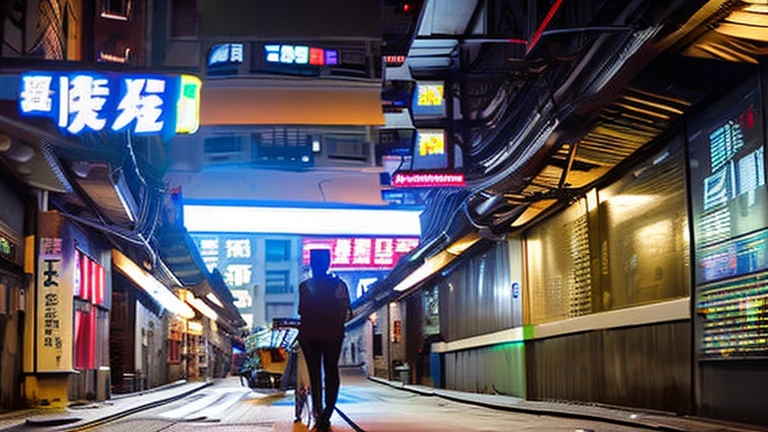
x,y
321,427
324,425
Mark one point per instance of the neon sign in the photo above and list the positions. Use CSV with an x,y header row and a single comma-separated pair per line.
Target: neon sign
x,y
81,102
361,253
300,55
226,54
427,180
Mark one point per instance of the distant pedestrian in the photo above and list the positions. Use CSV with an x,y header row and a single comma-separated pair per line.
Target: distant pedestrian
x,y
324,308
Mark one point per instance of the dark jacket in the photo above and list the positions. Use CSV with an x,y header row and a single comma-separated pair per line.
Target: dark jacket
x,y
324,308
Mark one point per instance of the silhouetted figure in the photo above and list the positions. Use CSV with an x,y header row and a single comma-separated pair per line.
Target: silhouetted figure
x,y
324,308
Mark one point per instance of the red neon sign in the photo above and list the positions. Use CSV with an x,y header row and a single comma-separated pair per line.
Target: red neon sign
x,y
427,180
361,253
394,60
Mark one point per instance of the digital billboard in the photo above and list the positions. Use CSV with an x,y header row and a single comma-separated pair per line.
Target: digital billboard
x,y
728,190
361,253
730,219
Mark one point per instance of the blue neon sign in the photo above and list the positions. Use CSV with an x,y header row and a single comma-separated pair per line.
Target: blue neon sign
x,y
226,54
81,102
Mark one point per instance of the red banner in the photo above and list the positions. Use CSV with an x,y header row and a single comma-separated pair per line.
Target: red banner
x,y
361,253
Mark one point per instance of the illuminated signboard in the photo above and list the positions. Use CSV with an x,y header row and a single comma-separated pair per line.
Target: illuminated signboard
x,y
300,55
226,54
361,253
394,60
81,102
431,143
430,153
428,99
417,179
414,197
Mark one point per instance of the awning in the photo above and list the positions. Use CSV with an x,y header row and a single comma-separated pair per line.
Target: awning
x,y
322,102
163,295
30,154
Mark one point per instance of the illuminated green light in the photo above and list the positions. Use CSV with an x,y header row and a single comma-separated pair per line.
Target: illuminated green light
x,y
188,106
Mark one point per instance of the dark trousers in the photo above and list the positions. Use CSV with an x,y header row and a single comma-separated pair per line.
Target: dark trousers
x,y
325,352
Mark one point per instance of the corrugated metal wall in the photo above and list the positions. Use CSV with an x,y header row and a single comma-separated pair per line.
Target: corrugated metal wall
x,y
646,367
476,298
495,370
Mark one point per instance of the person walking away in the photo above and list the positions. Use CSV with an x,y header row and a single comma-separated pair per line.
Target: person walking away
x,y
324,309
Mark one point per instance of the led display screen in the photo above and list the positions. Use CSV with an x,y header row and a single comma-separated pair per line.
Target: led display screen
x,y
359,253
430,152
730,216
735,320
428,100
728,190
293,58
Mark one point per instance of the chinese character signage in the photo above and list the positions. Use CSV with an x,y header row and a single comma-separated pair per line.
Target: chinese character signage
x,y
225,59
427,180
300,55
54,308
226,54
81,102
291,58
363,253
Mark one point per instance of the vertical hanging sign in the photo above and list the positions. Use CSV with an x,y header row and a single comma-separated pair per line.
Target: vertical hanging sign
x,y
54,309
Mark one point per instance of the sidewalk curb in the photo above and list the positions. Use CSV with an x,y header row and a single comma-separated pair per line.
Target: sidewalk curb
x,y
531,410
150,405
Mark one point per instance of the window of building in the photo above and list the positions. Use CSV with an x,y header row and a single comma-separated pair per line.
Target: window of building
x,y
278,250
116,9
278,282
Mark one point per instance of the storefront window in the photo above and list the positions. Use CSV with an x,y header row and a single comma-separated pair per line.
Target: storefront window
x,y
644,233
